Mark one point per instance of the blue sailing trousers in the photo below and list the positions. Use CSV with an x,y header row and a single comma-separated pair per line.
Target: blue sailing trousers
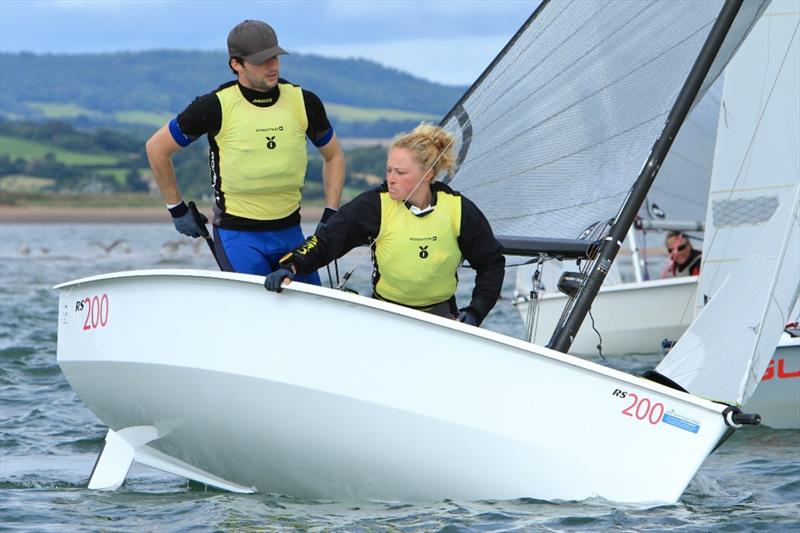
x,y
258,252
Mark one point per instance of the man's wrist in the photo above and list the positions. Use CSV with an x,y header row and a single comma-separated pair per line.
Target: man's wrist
x,y
178,210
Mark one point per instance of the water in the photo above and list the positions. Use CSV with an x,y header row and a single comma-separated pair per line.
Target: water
x,y
49,440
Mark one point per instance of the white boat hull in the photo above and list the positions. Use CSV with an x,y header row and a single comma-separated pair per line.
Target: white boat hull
x,y
777,398
632,318
323,394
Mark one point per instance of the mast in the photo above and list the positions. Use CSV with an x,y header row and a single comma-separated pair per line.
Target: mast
x,y
563,336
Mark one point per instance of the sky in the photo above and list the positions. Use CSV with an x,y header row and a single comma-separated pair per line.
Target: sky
x,y
447,41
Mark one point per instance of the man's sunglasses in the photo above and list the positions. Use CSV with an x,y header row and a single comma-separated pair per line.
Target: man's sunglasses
x,y
680,248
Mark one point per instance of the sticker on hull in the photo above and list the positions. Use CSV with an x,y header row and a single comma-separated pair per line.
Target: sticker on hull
x,y
681,422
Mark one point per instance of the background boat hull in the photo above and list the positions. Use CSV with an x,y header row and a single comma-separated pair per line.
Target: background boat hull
x,y
777,398
632,318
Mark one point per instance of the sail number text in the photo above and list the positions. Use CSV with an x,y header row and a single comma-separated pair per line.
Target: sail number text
x,y
96,308
776,369
641,408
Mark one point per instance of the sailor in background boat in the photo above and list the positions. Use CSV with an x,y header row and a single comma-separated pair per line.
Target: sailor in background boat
x,y
419,231
257,127
684,260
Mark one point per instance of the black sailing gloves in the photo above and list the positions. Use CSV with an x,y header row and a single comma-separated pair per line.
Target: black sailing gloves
x,y
468,316
274,280
290,266
185,222
324,220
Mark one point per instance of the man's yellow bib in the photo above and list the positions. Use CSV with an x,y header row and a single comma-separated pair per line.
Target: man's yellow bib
x,y
416,257
262,154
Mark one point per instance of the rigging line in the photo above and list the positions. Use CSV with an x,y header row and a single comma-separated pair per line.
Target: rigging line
x,y
596,233
532,318
430,169
681,157
330,277
346,277
644,255
716,99
599,337
584,56
543,164
533,259
607,86
689,302
700,125
746,157
685,199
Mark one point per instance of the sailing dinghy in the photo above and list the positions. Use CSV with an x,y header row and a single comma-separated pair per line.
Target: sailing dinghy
x,y
583,104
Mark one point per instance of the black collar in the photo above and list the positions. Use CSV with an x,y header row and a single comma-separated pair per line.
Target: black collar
x,y
257,98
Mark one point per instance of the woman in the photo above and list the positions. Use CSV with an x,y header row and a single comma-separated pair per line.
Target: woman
x,y
419,232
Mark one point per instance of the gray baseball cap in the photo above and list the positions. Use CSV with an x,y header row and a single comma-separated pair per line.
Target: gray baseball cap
x,y
254,41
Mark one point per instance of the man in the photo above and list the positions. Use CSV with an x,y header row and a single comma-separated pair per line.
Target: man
x,y
684,260
256,127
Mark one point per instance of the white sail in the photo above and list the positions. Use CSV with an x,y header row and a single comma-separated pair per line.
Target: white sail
x,y
555,132
751,268
681,190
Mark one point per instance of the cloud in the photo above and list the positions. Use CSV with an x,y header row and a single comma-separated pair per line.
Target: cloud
x,y
452,61
430,39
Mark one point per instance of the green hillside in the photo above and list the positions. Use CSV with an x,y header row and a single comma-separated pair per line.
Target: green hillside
x,y
54,111
146,88
21,148
55,158
77,124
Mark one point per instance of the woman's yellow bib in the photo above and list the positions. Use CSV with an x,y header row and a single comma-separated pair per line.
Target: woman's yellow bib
x,y
416,257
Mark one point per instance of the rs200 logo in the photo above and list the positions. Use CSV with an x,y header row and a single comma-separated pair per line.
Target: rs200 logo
x,y
96,308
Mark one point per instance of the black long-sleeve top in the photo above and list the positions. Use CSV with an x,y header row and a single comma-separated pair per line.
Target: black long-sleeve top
x,y
359,222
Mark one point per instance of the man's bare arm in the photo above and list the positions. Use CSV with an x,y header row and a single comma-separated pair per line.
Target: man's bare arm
x,y
332,172
160,148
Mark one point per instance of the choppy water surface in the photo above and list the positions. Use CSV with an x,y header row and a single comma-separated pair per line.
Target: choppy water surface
x,y
49,440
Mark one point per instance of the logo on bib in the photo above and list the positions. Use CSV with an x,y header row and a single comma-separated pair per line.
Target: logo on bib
x,y
271,143
423,252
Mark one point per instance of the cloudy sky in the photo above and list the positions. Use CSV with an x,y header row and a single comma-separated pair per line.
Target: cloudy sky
x,y
448,41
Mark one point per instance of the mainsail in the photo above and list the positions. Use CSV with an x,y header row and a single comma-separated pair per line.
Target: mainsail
x,y
752,245
557,129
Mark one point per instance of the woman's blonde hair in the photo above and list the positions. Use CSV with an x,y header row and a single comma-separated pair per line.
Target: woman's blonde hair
x,y
426,143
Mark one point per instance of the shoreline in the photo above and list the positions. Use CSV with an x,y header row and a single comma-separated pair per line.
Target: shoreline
x,y
88,215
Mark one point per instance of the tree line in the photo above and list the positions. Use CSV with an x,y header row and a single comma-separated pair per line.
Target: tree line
x,y
165,81
130,171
